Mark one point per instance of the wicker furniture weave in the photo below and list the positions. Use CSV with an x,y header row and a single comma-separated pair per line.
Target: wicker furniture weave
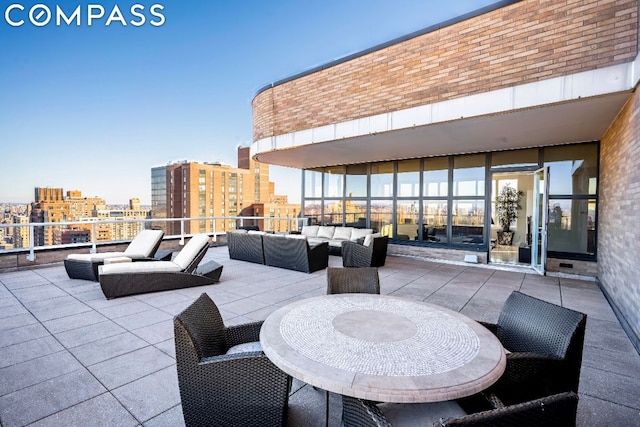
x,y
142,248
117,280
219,389
357,255
245,246
545,343
353,280
557,410
294,254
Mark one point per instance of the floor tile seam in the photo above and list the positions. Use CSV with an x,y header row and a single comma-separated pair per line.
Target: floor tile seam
x,y
632,349
89,365
81,368
610,401
608,371
475,293
80,403
120,386
32,360
159,414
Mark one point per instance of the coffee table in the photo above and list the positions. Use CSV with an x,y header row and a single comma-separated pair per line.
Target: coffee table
x,y
383,348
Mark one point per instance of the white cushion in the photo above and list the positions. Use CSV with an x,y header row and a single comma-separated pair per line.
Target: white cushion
x,y
420,414
144,243
246,347
257,232
240,231
100,257
188,253
357,233
117,259
326,231
342,233
310,230
140,267
315,241
296,236
369,238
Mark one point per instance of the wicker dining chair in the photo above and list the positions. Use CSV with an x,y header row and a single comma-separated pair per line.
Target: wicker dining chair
x,y
557,410
224,377
545,343
353,280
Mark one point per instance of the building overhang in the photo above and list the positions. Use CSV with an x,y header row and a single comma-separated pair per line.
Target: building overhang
x,y
568,109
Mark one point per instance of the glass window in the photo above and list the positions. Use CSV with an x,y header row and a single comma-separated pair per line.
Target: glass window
x,y
407,219
356,181
468,175
573,169
313,211
408,178
382,216
382,179
434,221
332,214
333,180
436,177
312,183
572,226
356,213
468,221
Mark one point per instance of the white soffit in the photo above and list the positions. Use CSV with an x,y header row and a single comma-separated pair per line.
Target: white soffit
x,y
573,108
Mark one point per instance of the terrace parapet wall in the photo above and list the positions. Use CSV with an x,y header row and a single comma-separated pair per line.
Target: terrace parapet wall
x,y
520,43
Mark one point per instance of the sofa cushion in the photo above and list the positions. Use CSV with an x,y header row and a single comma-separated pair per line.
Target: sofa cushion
x,y
310,230
296,236
326,232
256,232
368,240
342,233
357,233
247,347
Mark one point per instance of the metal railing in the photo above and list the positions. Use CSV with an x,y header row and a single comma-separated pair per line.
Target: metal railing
x,y
213,226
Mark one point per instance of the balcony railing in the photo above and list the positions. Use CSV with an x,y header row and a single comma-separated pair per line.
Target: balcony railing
x,y
175,228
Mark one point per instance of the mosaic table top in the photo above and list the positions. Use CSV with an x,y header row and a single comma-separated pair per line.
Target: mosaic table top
x,y
383,348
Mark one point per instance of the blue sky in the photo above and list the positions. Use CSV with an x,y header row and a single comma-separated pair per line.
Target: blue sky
x,y
94,108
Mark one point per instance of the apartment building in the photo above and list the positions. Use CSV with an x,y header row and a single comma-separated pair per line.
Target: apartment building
x,y
190,189
416,137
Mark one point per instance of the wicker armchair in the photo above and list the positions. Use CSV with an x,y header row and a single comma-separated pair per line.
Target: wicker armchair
x,y
551,411
241,388
545,342
353,280
372,255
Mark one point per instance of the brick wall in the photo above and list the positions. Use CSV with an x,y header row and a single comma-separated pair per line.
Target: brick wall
x,y
619,213
524,42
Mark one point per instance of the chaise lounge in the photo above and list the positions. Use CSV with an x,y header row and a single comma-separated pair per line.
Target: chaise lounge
x,y
141,248
126,278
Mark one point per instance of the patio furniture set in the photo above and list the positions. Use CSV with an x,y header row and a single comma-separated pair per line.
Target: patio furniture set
x,y
125,273
394,361
308,250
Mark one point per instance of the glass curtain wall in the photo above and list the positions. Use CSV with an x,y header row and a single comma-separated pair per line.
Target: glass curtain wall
x,y
442,200
573,175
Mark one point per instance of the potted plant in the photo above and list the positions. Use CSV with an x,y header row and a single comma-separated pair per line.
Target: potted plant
x,y
507,206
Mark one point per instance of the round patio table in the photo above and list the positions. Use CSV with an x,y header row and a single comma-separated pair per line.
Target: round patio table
x,y
383,348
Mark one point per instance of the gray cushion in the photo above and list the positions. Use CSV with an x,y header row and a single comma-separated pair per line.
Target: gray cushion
x,y
420,414
246,347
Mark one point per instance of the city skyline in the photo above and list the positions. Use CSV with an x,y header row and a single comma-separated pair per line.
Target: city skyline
x,y
95,108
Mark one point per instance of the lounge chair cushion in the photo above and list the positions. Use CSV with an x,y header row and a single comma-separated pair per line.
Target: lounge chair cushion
x,y
140,267
326,231
144,243
100,257
190,250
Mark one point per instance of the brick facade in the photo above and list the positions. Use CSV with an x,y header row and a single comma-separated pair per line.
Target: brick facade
x,y
520,43
619,213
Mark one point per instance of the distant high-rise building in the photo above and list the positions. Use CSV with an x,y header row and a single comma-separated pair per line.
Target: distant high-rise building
x,y
49,206
21,234
204,190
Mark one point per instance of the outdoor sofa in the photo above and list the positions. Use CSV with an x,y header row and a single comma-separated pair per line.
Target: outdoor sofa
x,y
141,248
290,251
120,278
334,236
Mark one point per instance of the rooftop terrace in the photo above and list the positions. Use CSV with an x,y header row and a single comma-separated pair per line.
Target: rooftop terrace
x,y
68,356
